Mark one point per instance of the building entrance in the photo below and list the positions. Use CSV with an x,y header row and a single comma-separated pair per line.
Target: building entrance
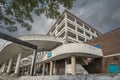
x,y
60,67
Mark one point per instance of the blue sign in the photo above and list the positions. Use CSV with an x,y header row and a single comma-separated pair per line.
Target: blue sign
x,y
114,68
49,54
98,46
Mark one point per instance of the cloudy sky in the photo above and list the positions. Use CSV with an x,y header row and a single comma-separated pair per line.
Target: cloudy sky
x,y
103,15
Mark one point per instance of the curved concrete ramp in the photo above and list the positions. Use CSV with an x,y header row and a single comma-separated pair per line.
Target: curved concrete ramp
x,y
76,49
43,42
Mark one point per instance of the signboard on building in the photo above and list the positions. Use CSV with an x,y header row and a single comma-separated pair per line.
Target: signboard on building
x,y
49,54
98,46
114,68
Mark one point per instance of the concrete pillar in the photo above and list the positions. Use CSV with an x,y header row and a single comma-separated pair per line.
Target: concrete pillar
x,y
28,70
65,66
23,71
38,67
18,63
84,32
33,62
3,67
46,69
73,65
54,68
35,69
90,33
43,71
51,67
76,29
56,29
9,66
66,32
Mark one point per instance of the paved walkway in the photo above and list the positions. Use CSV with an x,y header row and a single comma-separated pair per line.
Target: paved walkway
x,y
7,77
63,77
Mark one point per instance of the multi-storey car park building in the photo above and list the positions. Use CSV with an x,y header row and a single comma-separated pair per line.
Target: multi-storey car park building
x,y
63,51
55,58
72,29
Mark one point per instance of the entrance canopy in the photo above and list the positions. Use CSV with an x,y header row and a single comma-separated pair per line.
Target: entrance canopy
x,y
67,50
44,43
76,49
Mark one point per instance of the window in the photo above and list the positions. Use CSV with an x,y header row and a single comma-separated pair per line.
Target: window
x,y
70,41
71,34
60,19
81,38
97,34
86,27
92,31
93,36
79,30
61,27
87,34
71,17
71,26
69,60
115,58
79,23
62,35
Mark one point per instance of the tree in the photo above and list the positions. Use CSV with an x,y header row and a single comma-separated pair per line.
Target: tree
x,y
19,12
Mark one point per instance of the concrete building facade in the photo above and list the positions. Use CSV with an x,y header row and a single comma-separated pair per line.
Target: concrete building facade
x,y
55,57
72,29
70,47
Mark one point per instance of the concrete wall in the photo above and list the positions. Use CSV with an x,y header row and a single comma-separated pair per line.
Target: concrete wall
x,y
78,77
